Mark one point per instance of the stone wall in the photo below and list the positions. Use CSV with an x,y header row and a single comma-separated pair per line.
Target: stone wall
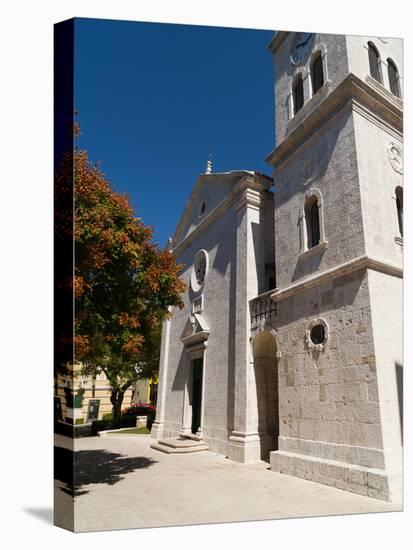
x,y
331,423
327,162
378,182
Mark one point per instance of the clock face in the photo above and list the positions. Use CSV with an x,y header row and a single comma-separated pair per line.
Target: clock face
x,y
301,47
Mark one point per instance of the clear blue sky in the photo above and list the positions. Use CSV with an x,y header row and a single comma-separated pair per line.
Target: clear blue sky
x,y
152,97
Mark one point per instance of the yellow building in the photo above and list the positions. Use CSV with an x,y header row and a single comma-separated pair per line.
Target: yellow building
x,y
146,390
81,399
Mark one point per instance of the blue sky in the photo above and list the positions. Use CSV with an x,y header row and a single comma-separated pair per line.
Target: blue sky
x,y
152,97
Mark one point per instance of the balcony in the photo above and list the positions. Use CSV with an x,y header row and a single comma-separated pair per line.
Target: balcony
x,y
262,308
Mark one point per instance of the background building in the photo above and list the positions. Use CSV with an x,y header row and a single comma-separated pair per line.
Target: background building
x,y
81,399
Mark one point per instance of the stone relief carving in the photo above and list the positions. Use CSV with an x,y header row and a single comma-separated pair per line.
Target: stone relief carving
x,y
395,155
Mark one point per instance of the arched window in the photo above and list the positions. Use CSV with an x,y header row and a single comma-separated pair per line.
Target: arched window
x,y
374,62
399,206
394,79
298,94
317,76
312,222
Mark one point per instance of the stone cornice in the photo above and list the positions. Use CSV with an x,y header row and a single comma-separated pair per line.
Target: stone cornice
x,y
351,91
362,262
276,40
196,338
249,197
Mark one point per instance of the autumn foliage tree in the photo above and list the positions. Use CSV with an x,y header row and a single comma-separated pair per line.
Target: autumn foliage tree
x,y
123,283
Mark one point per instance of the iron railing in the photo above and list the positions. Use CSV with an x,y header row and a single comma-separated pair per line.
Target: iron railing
x,y
262,307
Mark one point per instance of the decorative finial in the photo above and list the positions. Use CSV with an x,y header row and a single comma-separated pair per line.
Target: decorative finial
x,y
209,161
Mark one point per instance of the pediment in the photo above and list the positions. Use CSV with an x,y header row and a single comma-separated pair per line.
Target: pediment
x,y
196,330
209,192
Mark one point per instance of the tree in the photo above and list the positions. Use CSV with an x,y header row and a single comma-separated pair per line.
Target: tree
x,y
123,283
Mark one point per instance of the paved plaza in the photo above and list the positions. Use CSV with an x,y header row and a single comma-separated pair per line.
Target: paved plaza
x,y
121,483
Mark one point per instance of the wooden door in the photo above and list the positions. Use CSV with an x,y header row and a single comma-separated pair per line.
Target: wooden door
x,y
197,368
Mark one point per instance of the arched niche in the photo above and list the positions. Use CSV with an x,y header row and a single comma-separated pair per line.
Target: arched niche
x,y
265,397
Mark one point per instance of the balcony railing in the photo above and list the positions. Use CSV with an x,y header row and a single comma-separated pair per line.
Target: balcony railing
x,y
262,307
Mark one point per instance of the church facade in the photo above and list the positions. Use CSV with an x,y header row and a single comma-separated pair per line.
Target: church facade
x,y
289,347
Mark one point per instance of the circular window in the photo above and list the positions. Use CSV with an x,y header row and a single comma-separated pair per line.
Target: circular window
x,y
317,334
199,270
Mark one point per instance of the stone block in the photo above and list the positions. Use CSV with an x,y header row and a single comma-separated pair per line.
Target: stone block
x,y
343,412
323,392
305,429
372,436
326,411
337,393
366,373
377,486
290,379
357,480
346,374
367,412
309,410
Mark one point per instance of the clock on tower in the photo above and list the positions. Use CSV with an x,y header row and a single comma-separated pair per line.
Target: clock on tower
x,y
301,46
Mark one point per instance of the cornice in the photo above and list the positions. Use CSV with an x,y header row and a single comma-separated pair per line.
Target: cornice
x,y
248,197
351,91
361,262
196,338
276,40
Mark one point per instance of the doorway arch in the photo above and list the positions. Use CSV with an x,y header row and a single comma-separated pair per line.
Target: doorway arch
x,y
265,358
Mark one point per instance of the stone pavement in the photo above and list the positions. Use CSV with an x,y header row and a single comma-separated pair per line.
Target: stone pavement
x,y
122,483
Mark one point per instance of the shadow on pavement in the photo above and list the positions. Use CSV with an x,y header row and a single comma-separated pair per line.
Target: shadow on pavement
x,y
81,468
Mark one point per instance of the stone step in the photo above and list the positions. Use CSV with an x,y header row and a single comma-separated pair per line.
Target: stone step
x,y
180,442
185,435
171,446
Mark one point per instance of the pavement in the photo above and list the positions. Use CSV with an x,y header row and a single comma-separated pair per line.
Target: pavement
x,y
121,483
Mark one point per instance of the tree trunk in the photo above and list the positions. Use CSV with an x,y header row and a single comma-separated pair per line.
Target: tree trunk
x,y
116,398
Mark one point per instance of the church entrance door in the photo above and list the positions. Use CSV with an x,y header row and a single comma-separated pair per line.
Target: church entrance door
x,y
197,368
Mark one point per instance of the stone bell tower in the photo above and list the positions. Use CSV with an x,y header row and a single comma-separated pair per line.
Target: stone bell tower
x,y
338,173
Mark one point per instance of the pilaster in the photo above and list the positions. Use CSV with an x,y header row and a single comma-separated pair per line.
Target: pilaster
x,y
244,443
157,426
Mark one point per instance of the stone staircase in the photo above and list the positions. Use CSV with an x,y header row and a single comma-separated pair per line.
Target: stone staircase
x,y
180,444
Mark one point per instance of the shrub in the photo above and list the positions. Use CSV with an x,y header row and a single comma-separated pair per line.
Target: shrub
x,y
141,409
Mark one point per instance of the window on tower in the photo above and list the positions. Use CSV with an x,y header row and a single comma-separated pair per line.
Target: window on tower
x,y
399,206
317,76
298,94
312,222
374,62
394,79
